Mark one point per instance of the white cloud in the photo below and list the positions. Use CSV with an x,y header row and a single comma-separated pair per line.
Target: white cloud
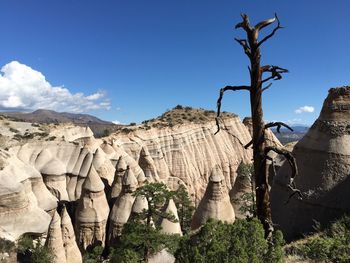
x,y
23,88
295,122
116,122
304,109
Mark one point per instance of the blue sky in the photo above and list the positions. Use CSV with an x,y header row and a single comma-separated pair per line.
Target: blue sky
x,y
131,60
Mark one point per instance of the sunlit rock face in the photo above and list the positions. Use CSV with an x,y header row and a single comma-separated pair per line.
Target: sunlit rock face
x,y
323,158
215,203
54,239
20,210
72,251
187,153
95,180
122,207
171,226
92,212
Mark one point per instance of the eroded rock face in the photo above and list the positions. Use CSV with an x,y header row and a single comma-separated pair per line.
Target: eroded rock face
x,y
54,239
187,153
19,207
323,158
72,251
123,206
92,212
90,175
215,203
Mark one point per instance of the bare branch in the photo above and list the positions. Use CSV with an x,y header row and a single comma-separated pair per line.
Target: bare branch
x,y
218,103
245,24
248,144
265,88
278,125
264,23
275,72
294,192
244,44
273,31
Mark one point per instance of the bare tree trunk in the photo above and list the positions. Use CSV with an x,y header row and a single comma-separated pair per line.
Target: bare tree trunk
x,y
251,47
261,189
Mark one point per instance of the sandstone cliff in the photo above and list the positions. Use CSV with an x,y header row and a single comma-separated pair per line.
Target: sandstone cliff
x,y
95,178
323,158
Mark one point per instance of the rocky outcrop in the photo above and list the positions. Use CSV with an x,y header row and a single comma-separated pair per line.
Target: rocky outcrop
x,y
215,203
123,206
54,239
171,226
187,153
72,251
69,166
323,158
92,212
20,209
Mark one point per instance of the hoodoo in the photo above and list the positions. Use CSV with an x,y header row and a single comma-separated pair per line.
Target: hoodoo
x,y
215,203
323,158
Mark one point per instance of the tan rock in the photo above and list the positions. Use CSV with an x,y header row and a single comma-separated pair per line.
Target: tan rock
x,y
72,251
54,239
323,158
169,226
215,203
123,206
92,212
118,177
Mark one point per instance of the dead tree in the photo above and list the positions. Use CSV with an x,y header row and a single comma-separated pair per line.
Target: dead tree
x,y
258,84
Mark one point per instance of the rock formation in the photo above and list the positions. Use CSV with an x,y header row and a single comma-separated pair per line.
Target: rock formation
x,y
67,165
171,226
123,206
92,212
323,158
54,239
215,203
72,251
188,153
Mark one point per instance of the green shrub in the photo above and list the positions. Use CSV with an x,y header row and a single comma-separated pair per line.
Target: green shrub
x,y
32,250
333,245
243,242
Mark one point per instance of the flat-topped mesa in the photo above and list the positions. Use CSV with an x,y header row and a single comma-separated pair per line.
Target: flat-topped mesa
x,y
323,159
92,212
215,203
122,207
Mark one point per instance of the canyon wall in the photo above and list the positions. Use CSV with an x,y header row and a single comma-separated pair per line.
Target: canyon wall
x,y
78,189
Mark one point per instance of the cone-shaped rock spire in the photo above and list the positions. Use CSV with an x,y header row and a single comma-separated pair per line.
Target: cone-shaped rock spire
x,y
215,202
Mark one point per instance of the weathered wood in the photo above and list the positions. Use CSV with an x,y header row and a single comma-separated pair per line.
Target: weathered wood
x,y
251,47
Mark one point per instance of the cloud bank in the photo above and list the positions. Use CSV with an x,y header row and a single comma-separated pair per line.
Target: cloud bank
x,y
23,88
305,109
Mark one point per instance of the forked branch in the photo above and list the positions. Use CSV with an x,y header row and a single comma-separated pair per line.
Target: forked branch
x,y
245,45
218,103
244,24
275,72
273,31
277,124
293,164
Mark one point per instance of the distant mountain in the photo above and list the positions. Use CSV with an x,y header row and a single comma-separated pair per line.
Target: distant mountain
x,y
98,126
287,136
